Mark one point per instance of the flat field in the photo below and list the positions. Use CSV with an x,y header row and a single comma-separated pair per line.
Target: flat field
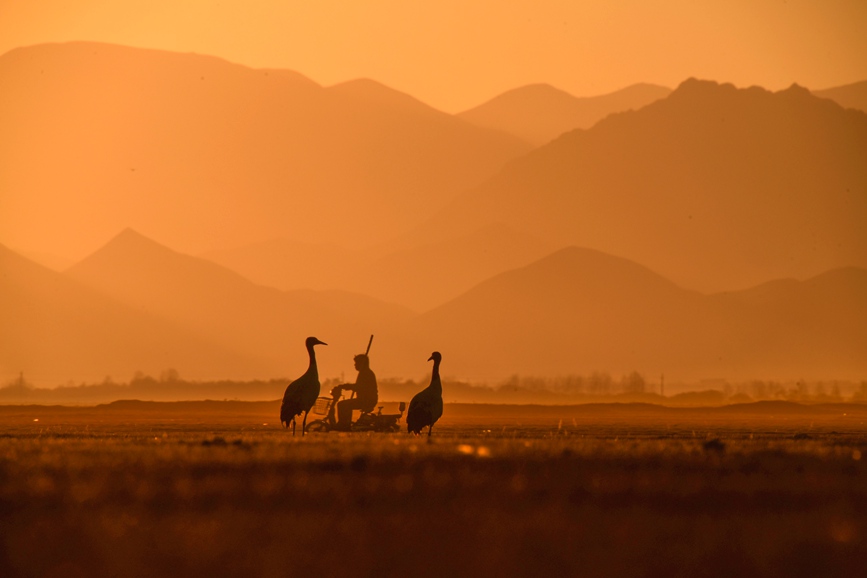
x,y
219,489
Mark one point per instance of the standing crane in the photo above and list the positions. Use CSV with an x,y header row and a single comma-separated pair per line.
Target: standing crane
x,y
302,393
427,405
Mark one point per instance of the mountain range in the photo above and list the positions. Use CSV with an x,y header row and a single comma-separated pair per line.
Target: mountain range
x,y
718,188
136,305
294,209
55,330
580,308
214,302
539,113
417,276
848,96
205,154
714,187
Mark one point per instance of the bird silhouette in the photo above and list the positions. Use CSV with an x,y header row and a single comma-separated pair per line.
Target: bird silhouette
x,y
302,393
427,405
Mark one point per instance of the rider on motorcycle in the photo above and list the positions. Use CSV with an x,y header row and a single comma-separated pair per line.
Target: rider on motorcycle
x,y
366,394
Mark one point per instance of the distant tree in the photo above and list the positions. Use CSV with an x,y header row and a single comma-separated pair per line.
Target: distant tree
x,y
170,375
819,392
571,384
18,387
758,389
511,384
803,392
633,382
141,379
599,383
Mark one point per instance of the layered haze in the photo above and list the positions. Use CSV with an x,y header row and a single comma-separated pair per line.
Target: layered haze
x,y
540,113
715,187
136,305
204,153
212,215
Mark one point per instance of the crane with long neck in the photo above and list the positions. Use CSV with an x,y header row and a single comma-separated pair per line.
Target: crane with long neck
x,y
301,394
427,405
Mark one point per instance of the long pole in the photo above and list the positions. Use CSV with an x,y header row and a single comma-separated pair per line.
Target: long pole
x,y
368,345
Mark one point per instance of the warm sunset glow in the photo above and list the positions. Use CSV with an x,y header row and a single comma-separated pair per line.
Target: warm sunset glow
x,y
454,54
433,288
538,188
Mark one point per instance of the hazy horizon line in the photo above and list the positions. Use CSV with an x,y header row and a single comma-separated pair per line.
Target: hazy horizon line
x,y
454,110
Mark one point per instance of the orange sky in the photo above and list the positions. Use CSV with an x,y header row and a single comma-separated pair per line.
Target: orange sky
x,y
454,54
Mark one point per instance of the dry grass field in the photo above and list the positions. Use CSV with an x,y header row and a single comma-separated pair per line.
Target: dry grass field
x,y
219,489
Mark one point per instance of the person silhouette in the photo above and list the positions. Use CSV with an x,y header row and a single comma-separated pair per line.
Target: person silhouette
x,y
366,394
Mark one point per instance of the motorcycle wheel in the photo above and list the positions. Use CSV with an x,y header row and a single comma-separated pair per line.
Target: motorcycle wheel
x,y
317,426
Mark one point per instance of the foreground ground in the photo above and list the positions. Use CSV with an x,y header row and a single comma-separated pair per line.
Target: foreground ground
x,y
218,489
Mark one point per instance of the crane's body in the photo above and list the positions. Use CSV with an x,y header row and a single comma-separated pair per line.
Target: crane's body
x,y
426,406
301,394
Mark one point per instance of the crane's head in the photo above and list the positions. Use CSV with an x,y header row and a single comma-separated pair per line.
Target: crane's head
x,y
311,341
436,356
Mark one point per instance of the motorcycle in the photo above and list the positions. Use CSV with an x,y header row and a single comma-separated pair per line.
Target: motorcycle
x,y
367,421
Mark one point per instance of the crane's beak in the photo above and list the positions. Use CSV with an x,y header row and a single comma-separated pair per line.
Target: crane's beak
x,y
430,358
320,343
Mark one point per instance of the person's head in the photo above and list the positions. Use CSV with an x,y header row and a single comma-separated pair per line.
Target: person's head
x,y
361,361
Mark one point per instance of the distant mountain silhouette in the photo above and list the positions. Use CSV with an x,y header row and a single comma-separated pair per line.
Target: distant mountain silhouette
x,y
848,96
418,277
205,153
715,187
289,264
54,329
367,90
539,113
442,267
212,301
137,305
579,310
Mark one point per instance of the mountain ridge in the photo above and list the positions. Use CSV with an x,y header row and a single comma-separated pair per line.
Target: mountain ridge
x,y
581,311
763,185
538,113
56,329
852,95
210,300
574,311
237,155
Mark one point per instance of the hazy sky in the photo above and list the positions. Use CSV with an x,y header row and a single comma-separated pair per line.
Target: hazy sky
x,y
454,54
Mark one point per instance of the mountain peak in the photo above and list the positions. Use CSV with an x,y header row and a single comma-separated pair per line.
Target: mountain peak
x,y
797,91
537,90
373,91
130,235
695,87
600,266
130,251
131,242
539,113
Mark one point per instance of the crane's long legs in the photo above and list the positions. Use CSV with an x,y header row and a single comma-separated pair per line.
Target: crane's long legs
x,y
293,425
304,425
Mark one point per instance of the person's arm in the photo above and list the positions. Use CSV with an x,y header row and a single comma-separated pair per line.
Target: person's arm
x,y
340,387
349,386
